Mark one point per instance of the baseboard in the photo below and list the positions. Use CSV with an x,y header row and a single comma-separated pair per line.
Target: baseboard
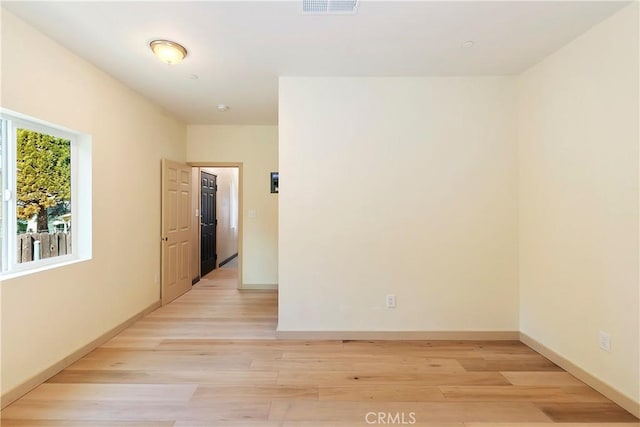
x,y
22,389
602,387
225,261
401,335
259,287
195,280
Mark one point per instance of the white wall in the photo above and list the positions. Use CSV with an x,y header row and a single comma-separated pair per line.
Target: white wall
x,y
226,231
256,147
578,132
46,316
403,186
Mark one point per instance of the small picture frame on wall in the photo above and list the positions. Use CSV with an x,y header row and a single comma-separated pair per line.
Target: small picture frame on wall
x,y
274,182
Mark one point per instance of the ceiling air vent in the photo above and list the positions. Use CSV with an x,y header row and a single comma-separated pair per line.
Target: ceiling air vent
x,y
329,7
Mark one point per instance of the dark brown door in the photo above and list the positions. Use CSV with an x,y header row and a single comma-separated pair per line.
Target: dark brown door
x,y
208,222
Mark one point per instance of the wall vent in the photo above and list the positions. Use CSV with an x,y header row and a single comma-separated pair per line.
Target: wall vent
x,y
329,7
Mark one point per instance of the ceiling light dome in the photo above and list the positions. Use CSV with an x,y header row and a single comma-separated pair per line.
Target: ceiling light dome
x,y
168,51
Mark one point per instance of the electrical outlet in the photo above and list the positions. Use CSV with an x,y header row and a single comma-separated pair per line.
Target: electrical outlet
x,y
605,341
156,278
391,301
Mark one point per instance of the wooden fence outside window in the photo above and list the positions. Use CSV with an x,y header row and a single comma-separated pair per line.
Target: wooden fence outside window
x,y
51,245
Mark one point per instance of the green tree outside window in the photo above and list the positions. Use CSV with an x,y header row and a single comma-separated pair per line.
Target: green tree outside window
x,y
43,177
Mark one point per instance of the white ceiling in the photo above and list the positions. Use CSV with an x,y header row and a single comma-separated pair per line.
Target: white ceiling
x,y
238,49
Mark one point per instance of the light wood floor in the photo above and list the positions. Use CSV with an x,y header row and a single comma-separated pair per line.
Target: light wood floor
x,y
211,359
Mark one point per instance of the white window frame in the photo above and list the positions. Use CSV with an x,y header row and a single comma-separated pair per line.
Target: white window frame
x,y
80,194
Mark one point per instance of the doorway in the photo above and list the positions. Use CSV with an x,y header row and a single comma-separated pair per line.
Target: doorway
x,y
218,203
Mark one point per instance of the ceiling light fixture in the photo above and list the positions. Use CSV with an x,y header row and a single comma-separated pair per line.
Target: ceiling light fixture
x,y
222,107
468,44
168,51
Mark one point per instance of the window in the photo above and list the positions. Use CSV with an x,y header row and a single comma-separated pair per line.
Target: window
x,y
44,211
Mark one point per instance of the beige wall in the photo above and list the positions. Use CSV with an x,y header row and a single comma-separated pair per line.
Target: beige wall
x,y
227,230
578,132
439,232
48,315
256,147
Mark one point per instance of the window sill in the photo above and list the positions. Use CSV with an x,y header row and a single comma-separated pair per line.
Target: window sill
x,y
16,274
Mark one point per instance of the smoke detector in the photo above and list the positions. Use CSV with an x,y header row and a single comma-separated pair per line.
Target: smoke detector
x,y
329,7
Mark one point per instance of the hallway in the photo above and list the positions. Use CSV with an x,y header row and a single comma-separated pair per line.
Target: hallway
x,y
213,309
211,359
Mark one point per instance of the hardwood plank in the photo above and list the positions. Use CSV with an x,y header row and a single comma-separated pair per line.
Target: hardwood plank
x,y
397,356
382,392
129,392
400,380
122,341
268,392
177,352
433,349
586,412
365,368
164,377
300,347
522,393
154,362
483,365
491,355
138,411
542,378
504,348
391,353
83,423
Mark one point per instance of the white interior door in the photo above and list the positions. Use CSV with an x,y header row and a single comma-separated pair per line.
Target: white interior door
x,y
176,230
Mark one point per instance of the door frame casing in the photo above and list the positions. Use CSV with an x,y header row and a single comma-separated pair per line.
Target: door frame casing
x,y
238,165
